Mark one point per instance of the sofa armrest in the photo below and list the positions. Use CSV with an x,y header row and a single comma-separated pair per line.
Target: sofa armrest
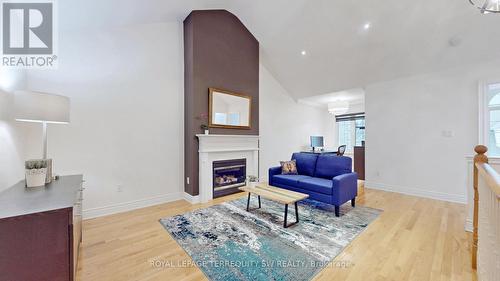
x,y
345,188
272,172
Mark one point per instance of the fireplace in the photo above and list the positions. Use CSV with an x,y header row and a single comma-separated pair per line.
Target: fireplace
x,y
228,175
214,148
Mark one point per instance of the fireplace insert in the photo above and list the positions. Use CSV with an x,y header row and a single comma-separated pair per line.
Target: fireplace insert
x,y
228,175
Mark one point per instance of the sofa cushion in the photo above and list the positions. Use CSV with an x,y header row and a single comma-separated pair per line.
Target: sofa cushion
x,y
291,180
306,163
318,185
329,166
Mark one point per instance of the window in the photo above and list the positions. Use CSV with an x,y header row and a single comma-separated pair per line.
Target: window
x,y
220,118
227,118
491,118
233,119
360,131
351,130
345,130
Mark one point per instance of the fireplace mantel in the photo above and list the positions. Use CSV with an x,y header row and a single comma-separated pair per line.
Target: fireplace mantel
x,y
224,147
214,143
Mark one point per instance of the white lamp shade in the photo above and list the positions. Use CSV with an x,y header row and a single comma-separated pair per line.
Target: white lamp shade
x,y
41,107
338,107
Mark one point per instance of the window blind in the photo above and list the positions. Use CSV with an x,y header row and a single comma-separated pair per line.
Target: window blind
x,y
350,117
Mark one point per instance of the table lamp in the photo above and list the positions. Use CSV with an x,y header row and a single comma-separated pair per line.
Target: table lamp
x,y
42,108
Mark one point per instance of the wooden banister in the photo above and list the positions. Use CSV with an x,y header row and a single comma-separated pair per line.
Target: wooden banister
x,y
490,180
479,159
491,177
486,224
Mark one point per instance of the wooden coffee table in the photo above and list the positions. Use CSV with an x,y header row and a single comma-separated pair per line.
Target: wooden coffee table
x,y
277,194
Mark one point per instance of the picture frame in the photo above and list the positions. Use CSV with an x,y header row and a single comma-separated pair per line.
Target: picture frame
x,y
239,116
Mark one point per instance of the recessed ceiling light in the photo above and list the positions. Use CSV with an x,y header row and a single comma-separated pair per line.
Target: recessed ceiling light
x,y
303,53
367,26
454,41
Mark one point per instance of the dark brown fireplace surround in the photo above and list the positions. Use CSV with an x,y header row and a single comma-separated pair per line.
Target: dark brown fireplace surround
x,y
219,52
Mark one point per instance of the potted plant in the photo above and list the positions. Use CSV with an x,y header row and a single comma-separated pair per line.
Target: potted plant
x,y
36,172
204,127
252,181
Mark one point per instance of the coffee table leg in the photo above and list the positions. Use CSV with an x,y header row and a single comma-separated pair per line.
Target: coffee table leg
x,y
248,202
286,214
296,212
285,225
259,201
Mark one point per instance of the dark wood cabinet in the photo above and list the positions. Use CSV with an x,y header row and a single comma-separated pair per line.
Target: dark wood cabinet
x,y
359,161
40,231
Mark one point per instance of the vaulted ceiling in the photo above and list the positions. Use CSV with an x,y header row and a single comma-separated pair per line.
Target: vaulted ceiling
x,y
404,37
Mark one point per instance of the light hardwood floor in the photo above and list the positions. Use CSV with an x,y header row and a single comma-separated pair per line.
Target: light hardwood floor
x,y
413,239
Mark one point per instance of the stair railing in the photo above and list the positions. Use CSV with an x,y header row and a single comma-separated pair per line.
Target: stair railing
x,y
486,224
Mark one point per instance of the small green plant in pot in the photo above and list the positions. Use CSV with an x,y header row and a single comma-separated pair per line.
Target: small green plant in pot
x,y
36,172
252,181
204,128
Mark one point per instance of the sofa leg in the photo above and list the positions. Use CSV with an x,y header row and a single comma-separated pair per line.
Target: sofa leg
x,y
337,211
353,202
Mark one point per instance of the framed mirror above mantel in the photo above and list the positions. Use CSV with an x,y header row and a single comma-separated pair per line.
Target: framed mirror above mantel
x,y
229,110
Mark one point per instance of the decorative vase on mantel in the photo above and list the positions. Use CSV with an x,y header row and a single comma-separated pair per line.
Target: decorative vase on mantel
x,y
204,128
203,118
36,173
252,181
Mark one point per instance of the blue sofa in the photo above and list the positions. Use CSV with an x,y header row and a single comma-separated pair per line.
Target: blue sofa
x,y
325,177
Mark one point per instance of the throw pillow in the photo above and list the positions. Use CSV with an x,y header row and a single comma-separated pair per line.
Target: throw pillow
x,y
288,167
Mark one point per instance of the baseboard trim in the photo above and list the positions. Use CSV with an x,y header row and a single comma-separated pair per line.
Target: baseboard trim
x,y
131,205
417,192
190,198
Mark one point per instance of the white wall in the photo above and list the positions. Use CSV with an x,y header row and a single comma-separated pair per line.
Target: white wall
x,y
356,107
420,129
285,124
126,90
11,148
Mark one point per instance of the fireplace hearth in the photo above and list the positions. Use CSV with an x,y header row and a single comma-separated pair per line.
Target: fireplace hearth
x,y
228,175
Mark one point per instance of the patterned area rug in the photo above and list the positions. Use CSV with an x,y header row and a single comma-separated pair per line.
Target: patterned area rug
x,y
228,243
